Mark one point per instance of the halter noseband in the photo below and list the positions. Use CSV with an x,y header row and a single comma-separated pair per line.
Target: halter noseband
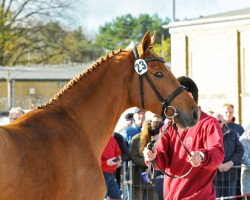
x,y
165,103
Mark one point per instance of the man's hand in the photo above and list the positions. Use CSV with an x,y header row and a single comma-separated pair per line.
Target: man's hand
x,y
112,161
225,166
195,159
149,155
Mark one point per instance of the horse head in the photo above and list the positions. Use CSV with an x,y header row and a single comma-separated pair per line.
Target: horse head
x,y
155,88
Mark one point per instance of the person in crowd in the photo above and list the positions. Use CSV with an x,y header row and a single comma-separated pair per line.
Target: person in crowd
x,y
15,113
129,120
204,141
129,132
124,155
142,189
157,118
225,181
245,172
129,117
154,134
230,119
110,161
228,110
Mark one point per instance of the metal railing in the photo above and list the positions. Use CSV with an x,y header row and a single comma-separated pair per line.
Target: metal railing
x,y
129,186
132,185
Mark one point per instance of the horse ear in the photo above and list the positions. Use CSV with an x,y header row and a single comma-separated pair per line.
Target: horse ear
x,y
146,42
153,39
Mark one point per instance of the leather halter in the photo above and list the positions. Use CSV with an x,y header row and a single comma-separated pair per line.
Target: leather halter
x,y
165,103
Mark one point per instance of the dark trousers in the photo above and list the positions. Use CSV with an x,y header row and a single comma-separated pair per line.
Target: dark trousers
x,y
112,187
159,186
225,188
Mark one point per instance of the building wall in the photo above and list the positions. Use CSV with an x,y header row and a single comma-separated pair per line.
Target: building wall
x,y
217,57
3,96
29,94
245,72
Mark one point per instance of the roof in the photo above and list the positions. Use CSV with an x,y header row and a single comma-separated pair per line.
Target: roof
x,y
46,72
231,16
239,12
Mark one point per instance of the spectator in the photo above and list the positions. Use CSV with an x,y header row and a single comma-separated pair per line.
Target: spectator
x,y
110,161
204,141
159,176
15,113
131,131
226,178
124,155
238,129
143,190
157,118
129,119
230,119
245,172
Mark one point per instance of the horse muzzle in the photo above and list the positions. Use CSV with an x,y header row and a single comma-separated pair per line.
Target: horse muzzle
x,y
185,120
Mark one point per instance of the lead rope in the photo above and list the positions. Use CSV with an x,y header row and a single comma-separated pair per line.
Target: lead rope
x,y
152,145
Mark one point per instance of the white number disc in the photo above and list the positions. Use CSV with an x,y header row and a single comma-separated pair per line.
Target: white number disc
x,y
141,66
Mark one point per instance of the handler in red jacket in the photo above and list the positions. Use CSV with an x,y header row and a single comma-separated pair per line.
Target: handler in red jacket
x,y
204,141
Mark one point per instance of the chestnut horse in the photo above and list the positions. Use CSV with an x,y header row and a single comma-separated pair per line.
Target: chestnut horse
x,y
53,152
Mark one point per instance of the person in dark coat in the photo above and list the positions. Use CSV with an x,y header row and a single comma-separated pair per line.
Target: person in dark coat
x,y
226,179
124,156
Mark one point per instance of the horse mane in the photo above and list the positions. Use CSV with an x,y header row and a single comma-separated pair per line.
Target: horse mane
x,y
80,76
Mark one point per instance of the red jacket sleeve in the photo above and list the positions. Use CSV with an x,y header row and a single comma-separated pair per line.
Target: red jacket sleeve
x,y
111,150
213,146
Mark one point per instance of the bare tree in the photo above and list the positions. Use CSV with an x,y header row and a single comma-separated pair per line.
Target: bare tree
x,y
22,24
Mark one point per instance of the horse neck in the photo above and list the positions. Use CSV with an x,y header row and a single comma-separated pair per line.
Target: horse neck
x,y
97,100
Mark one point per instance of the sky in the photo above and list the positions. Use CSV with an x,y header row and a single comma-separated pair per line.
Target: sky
x,y
94,13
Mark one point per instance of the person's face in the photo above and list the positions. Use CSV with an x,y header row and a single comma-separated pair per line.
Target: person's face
x,y
139,117
15,116
156,118
228,113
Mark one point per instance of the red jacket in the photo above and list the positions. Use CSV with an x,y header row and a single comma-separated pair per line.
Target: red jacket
x,y
111,150
206,137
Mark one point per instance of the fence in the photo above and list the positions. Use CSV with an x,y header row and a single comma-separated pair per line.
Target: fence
x,y
132,185
129,185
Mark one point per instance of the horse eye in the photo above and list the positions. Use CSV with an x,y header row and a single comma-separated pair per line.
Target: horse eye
x,y
158,75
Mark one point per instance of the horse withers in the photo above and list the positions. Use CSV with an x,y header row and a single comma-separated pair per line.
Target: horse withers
x,y
53,152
